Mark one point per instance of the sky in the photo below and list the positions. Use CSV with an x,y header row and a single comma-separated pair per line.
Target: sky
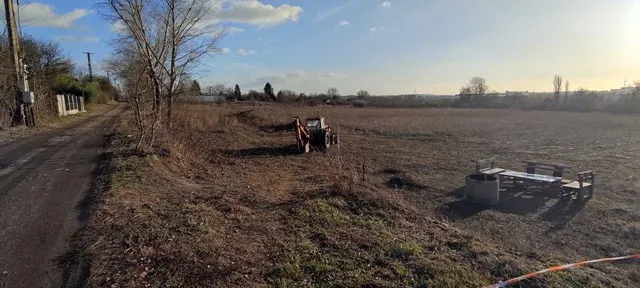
x,y
387,46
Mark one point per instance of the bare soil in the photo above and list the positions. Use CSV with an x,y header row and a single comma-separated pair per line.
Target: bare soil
x,y
226,201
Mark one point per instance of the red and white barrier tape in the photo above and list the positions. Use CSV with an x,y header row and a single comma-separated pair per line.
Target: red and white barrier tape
x,y
558,268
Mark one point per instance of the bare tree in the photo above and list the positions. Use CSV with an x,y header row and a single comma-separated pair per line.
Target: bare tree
x,y
557,87
170,36
217,89
137,87
45,61
333,92
474,91
566,91
477,86
362,94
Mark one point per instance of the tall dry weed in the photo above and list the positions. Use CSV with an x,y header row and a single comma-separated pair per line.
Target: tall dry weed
x,y
190,136
342,178
348,180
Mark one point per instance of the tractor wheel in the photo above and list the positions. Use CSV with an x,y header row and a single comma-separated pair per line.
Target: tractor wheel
x,y
327,141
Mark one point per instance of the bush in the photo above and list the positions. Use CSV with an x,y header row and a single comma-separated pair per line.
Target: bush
x,y
313,102
110,92
257,96
66,84
359,103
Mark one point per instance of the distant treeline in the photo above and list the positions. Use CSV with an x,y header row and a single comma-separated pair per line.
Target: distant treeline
x,y
474,95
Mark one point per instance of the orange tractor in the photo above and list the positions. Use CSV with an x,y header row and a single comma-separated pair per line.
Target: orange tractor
x,y
315,132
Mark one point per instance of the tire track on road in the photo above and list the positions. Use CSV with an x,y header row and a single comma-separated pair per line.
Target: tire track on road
x,y
39,199
24,168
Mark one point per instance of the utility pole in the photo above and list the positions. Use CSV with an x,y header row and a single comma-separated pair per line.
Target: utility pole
x,y
108,76
14,45
89,61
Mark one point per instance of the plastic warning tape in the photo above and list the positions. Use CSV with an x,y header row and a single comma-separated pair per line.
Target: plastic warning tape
x,y
558,268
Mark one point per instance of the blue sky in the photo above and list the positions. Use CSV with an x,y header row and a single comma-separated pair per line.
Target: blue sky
x,y
389,47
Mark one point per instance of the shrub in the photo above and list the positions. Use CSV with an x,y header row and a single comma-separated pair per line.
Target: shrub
x,y
313,102
359,103
66,84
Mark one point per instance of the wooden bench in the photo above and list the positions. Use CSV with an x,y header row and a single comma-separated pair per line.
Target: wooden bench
x,y
538,168
487,166
586,181
557,170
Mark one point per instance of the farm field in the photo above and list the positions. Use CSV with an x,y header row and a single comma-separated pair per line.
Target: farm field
x,y
229,202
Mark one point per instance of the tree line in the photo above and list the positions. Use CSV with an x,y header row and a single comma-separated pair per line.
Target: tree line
x,y
332,96
474,94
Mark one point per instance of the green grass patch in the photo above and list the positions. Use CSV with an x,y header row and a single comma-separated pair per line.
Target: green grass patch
x,y
335,247
405,251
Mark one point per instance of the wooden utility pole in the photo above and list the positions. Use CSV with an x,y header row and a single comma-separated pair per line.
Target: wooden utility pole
x,y
14,45
89,61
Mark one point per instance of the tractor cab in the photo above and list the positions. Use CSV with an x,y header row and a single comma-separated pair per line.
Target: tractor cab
x,y
315,125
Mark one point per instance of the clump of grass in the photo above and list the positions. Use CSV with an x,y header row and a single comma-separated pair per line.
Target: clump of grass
x,y
321,212
405,251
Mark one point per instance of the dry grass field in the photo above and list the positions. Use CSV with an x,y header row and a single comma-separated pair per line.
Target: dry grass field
x,y
226,201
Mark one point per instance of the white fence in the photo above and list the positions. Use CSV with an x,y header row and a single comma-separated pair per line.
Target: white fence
x,y
70,104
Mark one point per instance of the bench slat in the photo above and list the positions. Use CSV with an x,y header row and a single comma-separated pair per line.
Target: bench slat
x,y
576,185
540,164
492,171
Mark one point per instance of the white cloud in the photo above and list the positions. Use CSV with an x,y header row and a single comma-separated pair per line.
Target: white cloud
x,y
118,26
42,15
253,12
245,52
344,23
74,39
375,29
386,4
232,30
324,14
331,75
225,50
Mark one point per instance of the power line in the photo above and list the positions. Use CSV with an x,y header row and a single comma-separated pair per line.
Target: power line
x,y
42,15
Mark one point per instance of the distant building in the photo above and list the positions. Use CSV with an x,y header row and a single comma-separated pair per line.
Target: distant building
x,y
517,93
623,91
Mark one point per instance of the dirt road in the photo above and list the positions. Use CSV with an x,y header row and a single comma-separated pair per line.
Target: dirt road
x,y
43,182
